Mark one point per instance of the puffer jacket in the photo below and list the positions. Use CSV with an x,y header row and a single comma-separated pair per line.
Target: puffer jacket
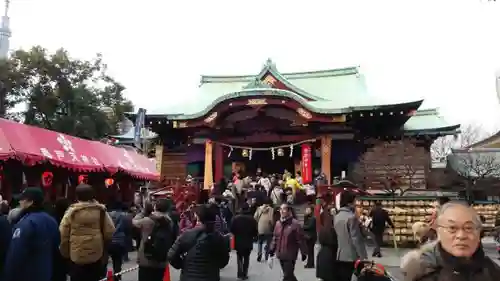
x,y
82,239
203,254
123,228
265,219
432,263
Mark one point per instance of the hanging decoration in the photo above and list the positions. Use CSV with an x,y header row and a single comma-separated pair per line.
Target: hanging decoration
x,y
109,182
279,150
47,178
82,179
244,153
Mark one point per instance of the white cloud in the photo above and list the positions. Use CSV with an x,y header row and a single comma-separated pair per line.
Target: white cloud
x,y
444,51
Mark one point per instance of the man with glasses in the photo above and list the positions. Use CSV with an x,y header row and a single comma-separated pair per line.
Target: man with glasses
x,y
457,254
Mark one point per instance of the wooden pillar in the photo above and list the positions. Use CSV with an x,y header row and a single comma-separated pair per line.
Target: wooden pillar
x,y
208,176
159,159
326,156
219,162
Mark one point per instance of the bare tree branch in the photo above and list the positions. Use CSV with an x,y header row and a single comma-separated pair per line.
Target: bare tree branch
x,y
393,166
474,165
469,135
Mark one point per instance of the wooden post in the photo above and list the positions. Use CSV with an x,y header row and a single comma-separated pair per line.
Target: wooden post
x,y
159,159
208,176
326,156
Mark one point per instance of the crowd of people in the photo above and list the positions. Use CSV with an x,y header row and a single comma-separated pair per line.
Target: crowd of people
x,y
77,240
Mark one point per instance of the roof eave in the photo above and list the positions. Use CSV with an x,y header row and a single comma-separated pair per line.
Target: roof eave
x,y
449,130
412,104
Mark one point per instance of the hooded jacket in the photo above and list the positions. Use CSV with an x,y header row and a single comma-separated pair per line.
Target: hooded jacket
x,y
81,236
265,219
432,263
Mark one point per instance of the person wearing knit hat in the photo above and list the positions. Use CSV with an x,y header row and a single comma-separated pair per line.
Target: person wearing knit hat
x,y
35,238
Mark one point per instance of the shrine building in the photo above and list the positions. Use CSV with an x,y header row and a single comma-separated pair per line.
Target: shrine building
x,y
318,120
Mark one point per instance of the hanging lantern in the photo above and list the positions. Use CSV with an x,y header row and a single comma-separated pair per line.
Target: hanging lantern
x,y
82,179
244,153
281,152
47,178
109,182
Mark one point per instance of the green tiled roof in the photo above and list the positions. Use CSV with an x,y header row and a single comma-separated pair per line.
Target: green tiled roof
x,y
429,120
334,91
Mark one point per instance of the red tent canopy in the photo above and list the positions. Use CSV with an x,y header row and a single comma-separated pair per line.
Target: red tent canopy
x,y
119,159
33,145
6,151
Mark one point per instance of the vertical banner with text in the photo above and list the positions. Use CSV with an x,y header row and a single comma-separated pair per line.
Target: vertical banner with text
x,y
306,163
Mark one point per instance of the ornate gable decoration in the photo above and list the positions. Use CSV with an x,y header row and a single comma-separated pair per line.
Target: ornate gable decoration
x,y
258,84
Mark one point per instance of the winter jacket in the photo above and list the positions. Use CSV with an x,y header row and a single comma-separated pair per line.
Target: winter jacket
x,y
380,218
123,228
82,238
265,219
349,235
244,230
35,240
202,253
185,222
432,263
146,225
288,239
327,255
310,227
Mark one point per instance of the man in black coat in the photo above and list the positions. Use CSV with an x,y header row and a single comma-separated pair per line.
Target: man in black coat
x,y
200,252
310,235
244,230
380,218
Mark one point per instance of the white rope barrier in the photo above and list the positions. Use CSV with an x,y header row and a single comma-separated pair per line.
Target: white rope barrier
x,y
121,272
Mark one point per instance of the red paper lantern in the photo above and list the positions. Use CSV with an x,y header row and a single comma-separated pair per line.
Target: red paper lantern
x,y
109,182
47,178
82,179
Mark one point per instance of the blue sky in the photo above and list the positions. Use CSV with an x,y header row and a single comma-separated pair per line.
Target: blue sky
x,y
444,51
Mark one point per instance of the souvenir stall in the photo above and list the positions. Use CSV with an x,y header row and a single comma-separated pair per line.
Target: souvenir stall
x,y
31,156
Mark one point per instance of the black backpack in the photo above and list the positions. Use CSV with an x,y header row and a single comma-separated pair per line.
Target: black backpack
x,y
159,241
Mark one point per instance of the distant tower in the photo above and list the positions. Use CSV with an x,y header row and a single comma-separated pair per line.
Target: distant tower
x,y
5,32
497,84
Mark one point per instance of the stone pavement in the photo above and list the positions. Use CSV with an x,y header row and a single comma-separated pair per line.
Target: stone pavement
x,y
261,271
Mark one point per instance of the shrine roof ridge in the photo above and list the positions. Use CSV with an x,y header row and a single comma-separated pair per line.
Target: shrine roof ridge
x,y
350,70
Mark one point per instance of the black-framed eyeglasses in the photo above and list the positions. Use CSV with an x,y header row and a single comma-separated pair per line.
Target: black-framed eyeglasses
x,y
467,228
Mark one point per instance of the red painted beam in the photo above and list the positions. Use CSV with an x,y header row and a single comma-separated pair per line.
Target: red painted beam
x,y
210,118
